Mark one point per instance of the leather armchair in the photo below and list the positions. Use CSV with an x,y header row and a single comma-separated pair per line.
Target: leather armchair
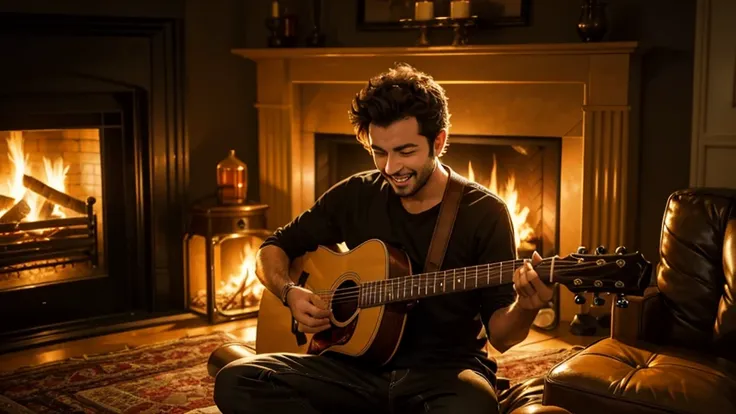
x,y
673,350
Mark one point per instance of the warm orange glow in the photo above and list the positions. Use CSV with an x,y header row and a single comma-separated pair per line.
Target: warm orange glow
x,y
522,230
54,175
244,281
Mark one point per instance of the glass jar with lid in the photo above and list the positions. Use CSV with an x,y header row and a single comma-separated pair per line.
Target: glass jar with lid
x,y
232,180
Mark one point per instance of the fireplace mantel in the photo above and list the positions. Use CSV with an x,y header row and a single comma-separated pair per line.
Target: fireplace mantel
x,y
444,51
581,91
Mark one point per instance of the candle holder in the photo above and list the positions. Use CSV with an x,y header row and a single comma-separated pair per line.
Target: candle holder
x,y
461,28
423,26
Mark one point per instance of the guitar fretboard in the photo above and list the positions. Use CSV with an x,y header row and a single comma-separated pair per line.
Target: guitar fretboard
x,y
436,283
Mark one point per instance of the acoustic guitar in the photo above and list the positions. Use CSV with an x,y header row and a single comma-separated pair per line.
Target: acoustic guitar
x,y
369,290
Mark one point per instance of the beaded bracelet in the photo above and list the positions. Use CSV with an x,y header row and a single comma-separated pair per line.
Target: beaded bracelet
x,y
285,291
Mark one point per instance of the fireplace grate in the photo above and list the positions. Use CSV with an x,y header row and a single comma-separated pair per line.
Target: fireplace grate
x,y
51,242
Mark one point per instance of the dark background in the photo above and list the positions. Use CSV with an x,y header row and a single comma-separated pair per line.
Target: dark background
x,y
220,87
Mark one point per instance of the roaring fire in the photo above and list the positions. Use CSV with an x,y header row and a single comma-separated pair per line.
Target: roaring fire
x,y
239,290
244,282
523,232
54,174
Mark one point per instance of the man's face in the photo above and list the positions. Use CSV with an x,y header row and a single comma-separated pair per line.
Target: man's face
x,y
403,156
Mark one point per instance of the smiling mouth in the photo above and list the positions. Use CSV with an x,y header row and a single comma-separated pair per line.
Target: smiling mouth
x,y
401,179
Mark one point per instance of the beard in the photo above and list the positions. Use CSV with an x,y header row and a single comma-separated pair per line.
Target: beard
x,y
413,180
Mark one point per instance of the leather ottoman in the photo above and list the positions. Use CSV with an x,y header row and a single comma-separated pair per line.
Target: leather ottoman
x,y
612,377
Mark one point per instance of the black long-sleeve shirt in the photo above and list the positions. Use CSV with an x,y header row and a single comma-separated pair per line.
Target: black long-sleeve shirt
x,y
441,330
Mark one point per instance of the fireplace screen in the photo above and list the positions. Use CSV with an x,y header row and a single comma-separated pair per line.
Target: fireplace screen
x,y
237,289
524,172
220,251
50,201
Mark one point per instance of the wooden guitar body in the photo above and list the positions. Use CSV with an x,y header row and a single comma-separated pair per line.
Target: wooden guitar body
x,y
371,332
371,287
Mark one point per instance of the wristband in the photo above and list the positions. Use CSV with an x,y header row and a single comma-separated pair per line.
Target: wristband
x,y
285,291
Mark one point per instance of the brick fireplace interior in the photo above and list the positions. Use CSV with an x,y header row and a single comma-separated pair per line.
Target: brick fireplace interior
x,y
68,160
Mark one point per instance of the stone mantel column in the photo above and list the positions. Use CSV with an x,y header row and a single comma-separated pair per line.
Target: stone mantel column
x,y
610,157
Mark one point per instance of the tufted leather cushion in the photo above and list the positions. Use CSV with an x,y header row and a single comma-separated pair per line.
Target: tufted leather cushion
x,y
612,377
696,274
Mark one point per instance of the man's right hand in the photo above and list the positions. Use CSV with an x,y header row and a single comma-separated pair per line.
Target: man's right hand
x,y
308,309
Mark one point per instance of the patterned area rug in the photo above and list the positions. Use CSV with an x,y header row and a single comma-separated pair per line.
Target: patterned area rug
x,y
165,378
168,377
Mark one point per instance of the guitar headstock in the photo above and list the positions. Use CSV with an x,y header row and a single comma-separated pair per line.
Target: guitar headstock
x,y
621,273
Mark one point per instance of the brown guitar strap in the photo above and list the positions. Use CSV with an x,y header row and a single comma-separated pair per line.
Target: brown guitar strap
x,y
445,222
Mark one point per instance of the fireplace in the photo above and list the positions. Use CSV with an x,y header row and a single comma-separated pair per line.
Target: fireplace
x,y
523,171
92,175
577,95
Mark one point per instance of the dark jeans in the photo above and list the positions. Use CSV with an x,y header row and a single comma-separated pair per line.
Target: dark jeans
x,y
310,384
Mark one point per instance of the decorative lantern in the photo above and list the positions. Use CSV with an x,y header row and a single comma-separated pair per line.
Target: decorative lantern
x,y
232,180
219,263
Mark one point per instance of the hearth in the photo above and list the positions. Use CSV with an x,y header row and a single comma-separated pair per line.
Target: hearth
x,y
523,171
92,175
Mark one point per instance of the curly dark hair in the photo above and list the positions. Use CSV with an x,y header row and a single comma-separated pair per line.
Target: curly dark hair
x,y
400,93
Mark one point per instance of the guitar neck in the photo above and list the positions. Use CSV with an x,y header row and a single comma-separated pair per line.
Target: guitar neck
x,y
424,285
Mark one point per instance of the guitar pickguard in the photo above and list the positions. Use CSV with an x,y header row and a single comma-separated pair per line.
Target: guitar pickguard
x,y
331,337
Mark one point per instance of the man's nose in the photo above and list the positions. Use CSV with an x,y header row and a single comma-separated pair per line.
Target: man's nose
x,y
393,165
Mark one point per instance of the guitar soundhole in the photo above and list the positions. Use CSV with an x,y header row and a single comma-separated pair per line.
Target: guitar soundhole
x,y
345,301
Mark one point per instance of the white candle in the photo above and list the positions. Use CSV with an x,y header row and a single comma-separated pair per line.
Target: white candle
x,y
460,9
423,10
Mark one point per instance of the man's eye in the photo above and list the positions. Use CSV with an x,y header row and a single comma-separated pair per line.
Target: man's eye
x,y
407,153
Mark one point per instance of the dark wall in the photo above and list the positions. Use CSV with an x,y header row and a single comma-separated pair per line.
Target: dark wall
x,y
220,92
665,32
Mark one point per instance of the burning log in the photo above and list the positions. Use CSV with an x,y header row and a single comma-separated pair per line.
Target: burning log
x,y
6,202
46,209
54,196
17,213
241,291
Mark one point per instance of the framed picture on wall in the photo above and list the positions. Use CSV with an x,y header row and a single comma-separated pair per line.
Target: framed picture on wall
x,y
387,14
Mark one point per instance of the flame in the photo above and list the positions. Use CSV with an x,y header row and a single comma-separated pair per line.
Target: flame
x,y
244,280
54,174
522,230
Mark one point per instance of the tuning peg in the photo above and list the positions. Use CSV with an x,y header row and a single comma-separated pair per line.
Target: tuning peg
x,y
582,250
622,302
598,301
600,250
621,250
579,299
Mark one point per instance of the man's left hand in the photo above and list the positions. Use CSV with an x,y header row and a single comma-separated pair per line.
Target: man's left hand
x,y
532,293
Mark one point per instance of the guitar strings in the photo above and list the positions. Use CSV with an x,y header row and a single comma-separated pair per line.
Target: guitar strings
x,y
477,269
421,282
426,282
430,277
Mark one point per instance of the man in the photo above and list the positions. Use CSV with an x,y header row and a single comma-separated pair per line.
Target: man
x,y
402,119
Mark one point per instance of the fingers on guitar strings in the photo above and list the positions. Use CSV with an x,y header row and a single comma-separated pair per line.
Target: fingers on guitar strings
x,y
524,283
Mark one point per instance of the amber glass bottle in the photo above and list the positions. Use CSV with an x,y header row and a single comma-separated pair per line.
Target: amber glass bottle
x,y
232,180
